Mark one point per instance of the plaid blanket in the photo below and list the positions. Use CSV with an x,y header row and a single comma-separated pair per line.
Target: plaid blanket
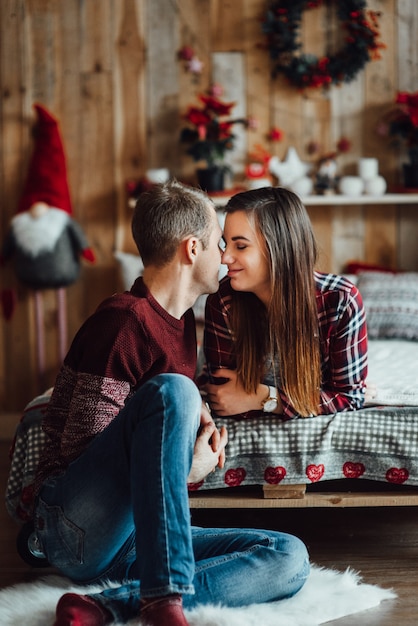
x,y
26,448
378,443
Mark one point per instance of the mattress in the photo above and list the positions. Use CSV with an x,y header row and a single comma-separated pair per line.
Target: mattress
x,y
379,442
393,368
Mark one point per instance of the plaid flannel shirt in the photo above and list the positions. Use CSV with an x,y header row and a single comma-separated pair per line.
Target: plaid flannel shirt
x,y
343,341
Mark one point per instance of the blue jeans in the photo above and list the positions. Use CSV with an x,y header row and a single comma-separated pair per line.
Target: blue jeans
x,y
120,512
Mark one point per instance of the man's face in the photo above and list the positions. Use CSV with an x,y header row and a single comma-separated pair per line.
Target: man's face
x,y
207,267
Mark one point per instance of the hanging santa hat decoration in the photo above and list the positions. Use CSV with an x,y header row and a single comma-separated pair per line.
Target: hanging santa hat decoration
x,y
47,174
44,240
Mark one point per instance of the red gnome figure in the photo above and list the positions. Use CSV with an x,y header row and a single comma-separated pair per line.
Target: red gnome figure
x,y
44,240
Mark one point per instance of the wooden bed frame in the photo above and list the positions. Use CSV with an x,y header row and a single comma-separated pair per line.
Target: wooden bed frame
x,y
296,496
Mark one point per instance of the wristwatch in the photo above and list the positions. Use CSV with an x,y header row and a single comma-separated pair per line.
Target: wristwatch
x,y
270,403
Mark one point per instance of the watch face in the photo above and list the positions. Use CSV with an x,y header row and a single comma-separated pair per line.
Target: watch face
x,y
270,405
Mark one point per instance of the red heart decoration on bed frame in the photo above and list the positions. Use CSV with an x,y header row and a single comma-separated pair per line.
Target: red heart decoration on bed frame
x,y
234,477
195,486
315,472
274,475
353,470
397,475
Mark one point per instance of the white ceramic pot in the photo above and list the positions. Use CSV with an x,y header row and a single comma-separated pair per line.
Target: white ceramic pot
x,y
158,175
375,186
258,183
302,186
351,186
368,168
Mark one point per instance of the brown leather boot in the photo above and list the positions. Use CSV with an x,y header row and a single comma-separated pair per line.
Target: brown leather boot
x,y
163,611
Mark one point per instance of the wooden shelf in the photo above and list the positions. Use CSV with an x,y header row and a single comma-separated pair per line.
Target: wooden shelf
x,y
340,200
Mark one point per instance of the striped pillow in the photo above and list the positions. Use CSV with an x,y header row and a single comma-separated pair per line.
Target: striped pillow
x,y
391,303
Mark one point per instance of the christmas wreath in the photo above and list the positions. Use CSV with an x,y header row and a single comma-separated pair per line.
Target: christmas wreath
x,y
282,25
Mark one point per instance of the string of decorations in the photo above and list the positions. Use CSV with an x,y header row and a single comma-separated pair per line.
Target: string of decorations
x,y
361,43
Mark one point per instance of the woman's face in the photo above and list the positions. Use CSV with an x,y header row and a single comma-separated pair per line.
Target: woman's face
x,y
246,256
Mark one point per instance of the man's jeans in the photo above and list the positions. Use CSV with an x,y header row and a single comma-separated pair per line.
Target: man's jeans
x,y
126,495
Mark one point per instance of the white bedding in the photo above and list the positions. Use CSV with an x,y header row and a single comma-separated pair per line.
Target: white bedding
x,y
393,368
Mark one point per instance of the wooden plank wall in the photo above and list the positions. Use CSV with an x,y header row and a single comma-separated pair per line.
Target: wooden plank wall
x,y
108,70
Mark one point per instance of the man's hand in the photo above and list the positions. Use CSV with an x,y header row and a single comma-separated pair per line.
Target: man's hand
x,y
209,451
206,418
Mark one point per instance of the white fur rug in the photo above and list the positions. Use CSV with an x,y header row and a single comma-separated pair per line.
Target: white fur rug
x,y
327,595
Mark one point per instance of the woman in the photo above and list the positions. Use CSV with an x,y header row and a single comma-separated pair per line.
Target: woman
x,y
281,337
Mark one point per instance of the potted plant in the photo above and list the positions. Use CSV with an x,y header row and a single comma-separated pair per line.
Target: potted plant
x,y
402,122
208,136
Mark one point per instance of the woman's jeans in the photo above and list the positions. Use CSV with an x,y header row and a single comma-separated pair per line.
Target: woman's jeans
x,y
120,512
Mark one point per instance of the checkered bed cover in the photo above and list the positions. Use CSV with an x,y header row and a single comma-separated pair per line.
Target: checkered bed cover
x,y
24,457
377,443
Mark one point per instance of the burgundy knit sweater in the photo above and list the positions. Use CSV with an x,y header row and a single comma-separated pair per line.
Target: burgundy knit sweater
x,y
128,340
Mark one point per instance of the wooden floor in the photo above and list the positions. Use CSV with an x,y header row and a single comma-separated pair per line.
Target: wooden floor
x,y
380,543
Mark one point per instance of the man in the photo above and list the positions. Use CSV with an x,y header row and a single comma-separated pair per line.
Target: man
x,y
128,430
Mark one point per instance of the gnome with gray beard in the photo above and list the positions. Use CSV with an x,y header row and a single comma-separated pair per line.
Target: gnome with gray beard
x,y
43,240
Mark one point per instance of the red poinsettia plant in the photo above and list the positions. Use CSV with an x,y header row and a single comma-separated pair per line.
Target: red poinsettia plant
x,y
208,134
402,121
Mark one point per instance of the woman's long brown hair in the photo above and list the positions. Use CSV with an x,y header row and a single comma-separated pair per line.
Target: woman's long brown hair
x,y
288,328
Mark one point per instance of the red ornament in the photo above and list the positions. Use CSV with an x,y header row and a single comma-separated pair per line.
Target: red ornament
x,y
344,145
186,53
276,134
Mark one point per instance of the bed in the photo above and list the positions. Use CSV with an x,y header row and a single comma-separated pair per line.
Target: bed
x,y
367,457
370,455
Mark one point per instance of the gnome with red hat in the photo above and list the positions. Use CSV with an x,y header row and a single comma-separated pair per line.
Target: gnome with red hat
x,y
44,240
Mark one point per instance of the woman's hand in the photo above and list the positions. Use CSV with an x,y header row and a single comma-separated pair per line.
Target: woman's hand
x,y
229,398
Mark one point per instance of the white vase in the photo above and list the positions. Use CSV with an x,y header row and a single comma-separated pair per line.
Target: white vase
x,y
302,186
368,168
351,186
375,186
258,183
158,175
